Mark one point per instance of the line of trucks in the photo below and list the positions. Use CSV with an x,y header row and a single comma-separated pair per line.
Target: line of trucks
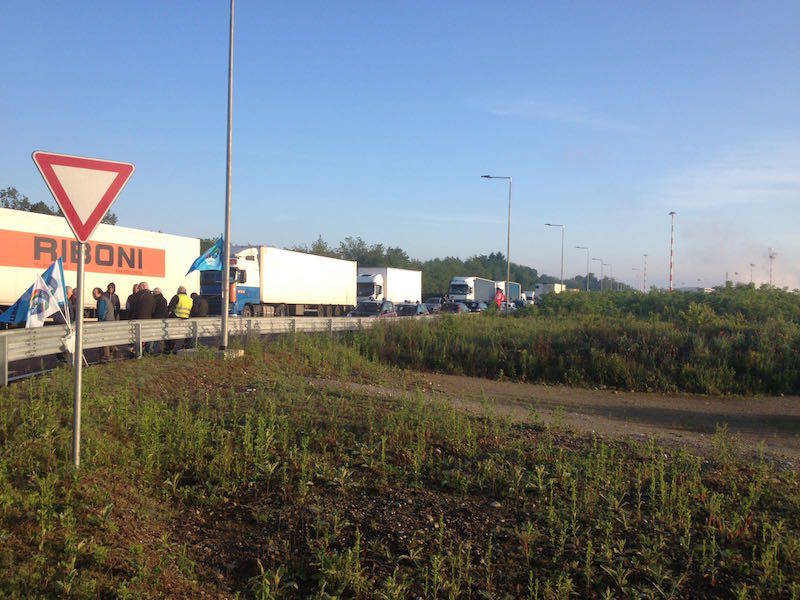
x,y
265,281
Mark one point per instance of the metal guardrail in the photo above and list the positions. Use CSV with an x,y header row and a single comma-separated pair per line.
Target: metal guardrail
x,y
22,344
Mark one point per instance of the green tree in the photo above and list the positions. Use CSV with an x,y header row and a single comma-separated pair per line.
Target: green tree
x,y
11,198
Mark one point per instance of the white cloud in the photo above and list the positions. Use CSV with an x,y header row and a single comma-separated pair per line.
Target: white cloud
x,y
755,174
532,108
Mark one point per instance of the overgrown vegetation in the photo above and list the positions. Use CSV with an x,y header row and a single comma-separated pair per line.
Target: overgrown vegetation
x,y
739,341
249,478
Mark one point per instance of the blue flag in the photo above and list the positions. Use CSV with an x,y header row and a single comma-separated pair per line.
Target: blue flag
x,y
54,278
210,260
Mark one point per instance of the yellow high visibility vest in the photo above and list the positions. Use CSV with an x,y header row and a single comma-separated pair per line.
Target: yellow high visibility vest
x,y
184,306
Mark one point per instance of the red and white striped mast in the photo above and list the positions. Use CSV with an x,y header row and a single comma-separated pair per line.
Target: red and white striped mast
x,y
671,248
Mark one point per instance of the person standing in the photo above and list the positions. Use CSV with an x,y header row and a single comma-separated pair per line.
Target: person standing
x,y
143,302
130,302
160,311
180,307
111,291
499,298
199,306
105,312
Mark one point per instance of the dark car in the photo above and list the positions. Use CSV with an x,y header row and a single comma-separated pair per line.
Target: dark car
x,y
373,309
433,304
411,310
476,306
454,307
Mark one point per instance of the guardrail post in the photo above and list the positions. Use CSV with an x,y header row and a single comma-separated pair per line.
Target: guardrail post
x,y
137,334
194,334
3,361
249,328
330,327
293,326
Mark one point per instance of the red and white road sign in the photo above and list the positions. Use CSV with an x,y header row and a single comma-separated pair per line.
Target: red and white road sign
x,y
85,188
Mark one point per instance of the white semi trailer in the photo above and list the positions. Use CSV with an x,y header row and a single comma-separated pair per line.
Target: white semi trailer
x,y
275,282
31,242
388,283
464,289
514,289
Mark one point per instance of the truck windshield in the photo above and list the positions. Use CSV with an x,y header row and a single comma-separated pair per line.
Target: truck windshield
x,y
460,289
365,289
213,277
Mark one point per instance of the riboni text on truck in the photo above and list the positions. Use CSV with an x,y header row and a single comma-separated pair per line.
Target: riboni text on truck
x,y
274,282
388,283
30,242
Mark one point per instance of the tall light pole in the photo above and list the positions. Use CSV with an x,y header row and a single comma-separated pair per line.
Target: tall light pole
x,y
638,271
587,264
562,250
751,272
226,262
508,238
644,274
671,247
600,260
772,255
610,274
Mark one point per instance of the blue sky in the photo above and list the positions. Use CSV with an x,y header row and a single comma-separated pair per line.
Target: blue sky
x,y
377,120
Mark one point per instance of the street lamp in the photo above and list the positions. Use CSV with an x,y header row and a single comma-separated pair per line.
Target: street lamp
x,y
508,239
587,263
644,274
751,272
600,260
672,214
638,270
562,250
611,274
226,260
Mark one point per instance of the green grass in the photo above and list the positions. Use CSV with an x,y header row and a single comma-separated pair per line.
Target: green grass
x,y
242,478
695,351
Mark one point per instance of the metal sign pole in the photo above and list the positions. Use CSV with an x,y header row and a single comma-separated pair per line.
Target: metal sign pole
x,y
76,407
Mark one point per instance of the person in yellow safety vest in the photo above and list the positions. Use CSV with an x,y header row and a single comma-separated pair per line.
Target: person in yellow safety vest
x,y
181,304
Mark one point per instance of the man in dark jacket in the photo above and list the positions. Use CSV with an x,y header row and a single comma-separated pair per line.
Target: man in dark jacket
x,y
160,310
130,302
111,291
199,306
105,312
143,302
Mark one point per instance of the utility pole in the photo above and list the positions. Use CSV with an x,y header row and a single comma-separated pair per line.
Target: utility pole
x,y
671,247
751,273
772,255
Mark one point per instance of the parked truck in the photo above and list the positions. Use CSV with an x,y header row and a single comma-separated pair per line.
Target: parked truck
x,y
514,289
465,289
388,283
269,281
31,242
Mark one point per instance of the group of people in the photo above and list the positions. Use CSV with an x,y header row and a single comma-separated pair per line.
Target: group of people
x,y
144,304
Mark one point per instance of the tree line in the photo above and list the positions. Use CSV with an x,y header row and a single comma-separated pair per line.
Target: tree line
x,y
12,198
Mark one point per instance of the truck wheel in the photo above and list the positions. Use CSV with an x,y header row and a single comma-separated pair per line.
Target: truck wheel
x,y
247,311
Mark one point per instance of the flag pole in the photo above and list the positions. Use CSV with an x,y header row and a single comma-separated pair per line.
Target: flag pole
x,y
78,358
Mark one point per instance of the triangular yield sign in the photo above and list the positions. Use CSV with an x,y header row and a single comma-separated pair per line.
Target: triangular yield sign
x,y
85,188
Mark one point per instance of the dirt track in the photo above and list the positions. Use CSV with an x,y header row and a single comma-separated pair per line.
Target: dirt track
x,y
680,420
